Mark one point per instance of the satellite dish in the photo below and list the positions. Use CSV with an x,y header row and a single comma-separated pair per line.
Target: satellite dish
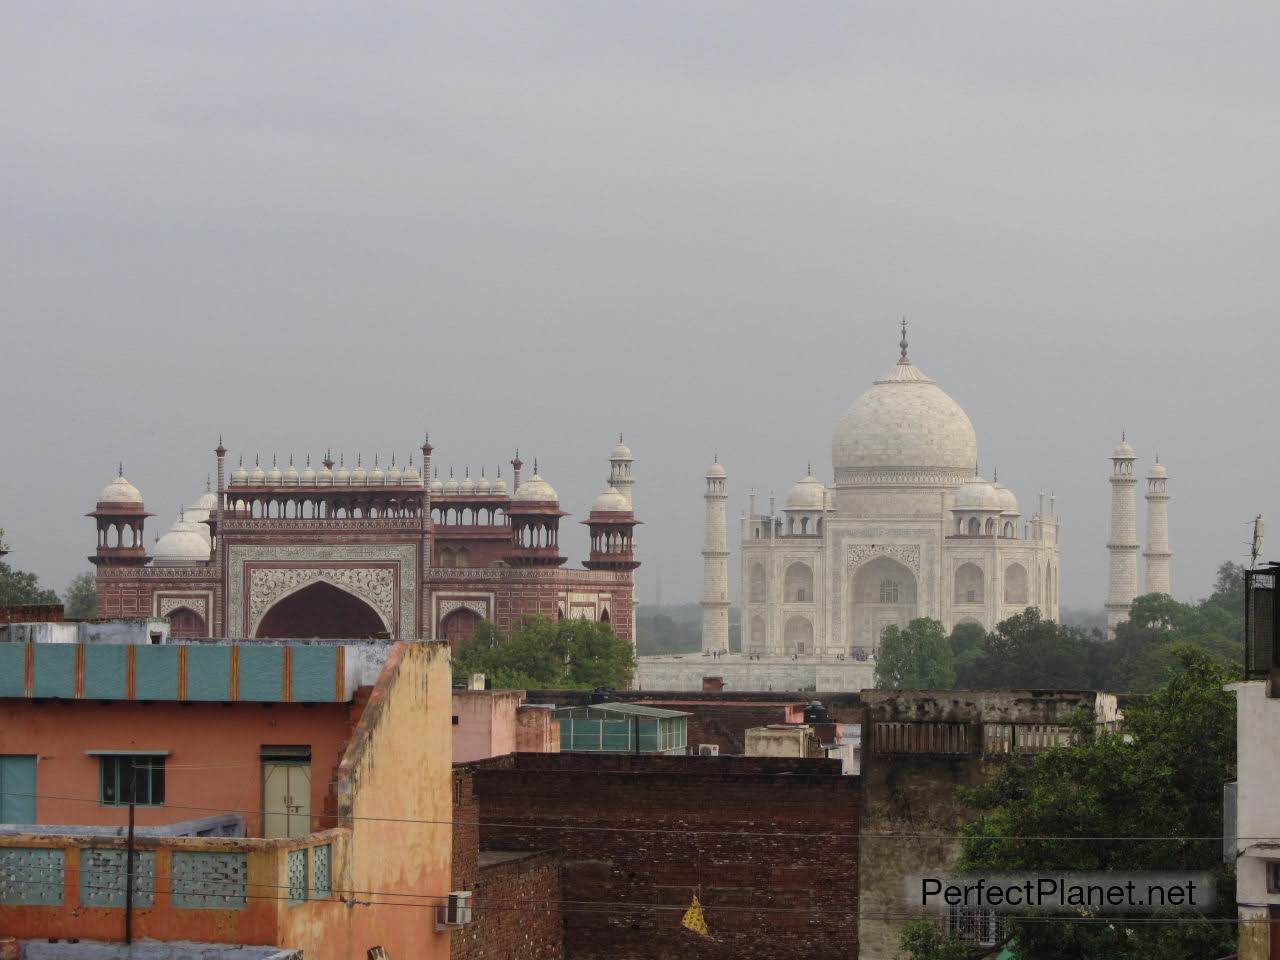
x,y
1259,530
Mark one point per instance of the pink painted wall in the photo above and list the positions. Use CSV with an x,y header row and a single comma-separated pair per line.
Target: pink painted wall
x,y
486,724
536,732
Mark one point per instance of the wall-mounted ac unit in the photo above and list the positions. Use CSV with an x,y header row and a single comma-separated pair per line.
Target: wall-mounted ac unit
x,y
708,749
454,912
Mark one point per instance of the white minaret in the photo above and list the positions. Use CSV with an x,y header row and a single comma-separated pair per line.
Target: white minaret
x,y
1123,545
620,470
715,564
1157,553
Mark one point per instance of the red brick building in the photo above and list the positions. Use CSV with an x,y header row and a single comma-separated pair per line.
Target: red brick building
x,y
347,553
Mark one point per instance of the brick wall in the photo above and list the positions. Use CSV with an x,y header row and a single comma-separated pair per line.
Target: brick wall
x,y
31,613
516,912
726,724
753,835
466,832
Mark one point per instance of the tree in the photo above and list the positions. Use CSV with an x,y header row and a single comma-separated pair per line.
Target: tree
x,y
1161,778
1025,651
917,658
82,597
550,654
19,587
923,940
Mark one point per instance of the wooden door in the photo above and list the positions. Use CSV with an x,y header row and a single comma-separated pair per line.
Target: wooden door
x,y
286,798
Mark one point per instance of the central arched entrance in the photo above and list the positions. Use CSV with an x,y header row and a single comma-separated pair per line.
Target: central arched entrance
x,y
883,596
322,611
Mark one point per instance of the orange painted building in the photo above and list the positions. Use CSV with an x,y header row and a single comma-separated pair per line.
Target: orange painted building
x,y
380,780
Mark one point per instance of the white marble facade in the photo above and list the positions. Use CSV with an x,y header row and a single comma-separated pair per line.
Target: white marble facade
x,y
906,529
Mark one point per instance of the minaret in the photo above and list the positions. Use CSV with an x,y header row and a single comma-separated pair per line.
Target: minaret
x,y
1123,545
620,470
715,564
1157,553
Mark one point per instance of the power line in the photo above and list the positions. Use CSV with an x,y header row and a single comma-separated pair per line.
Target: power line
x,y
665,829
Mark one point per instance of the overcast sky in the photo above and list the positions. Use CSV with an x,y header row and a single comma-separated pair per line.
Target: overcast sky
x,y
696,223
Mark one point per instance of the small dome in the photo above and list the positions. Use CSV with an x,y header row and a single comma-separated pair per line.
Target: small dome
x,y
499,486
291,474
1123,451
468,486
324,476
437,487
257,476
621,451
450,486
410,474
716,470
342,476
483,486
1008,502
394,474
182,544
978,494
120,490
240,475
208,502
376,476
611,501
308,474
536,490
808,494
358,476
274,476
1158,471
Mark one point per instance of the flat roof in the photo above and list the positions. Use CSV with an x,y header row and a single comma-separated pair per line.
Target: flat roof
x,y
633,709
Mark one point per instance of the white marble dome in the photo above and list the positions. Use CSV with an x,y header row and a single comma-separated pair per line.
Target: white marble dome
x,y
807,494
907,424
182,544
978,494
1158,471
621,452
536,490
1123,451
499,486
120,490
716,470
611,501
1008,502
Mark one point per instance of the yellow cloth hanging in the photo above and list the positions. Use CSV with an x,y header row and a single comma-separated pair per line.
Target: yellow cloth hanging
x,y
694,920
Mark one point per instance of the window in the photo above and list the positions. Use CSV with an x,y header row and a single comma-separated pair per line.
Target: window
x,y
1273,876
889,591
121,775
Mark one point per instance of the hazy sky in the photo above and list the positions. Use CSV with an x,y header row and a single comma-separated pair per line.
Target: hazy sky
x,y
697,223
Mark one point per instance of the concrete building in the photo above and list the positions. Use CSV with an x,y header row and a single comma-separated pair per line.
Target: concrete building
x,y
95,725
493,723
1123,545
333,552
918,747
906,528
715,563
1158,554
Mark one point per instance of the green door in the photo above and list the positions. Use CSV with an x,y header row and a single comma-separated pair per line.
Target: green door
x,y
17,789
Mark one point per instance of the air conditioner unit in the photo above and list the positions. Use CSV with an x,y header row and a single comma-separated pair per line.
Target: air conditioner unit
x,y
455,912
708,749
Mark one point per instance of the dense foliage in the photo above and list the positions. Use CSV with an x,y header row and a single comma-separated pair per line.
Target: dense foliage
x,y
18,586
1161,778
81,598
548,654
1028,651
917,658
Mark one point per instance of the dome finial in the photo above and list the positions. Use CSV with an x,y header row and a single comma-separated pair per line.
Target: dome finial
x,y
808,469
535,465
208,481
903,343
120,469
995,474
619,436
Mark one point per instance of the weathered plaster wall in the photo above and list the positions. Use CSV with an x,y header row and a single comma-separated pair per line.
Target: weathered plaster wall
x,y
486,724
214,763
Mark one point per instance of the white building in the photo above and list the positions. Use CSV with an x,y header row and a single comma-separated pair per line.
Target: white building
x,y
907,529
1257,828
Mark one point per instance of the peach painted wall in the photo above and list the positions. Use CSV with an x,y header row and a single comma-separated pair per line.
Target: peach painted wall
x,y
536,731
486,723
214,764
395,789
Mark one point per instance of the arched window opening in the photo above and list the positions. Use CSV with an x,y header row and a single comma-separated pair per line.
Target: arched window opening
x,y
890,591
969,584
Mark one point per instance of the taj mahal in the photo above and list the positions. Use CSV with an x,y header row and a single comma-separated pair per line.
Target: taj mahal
x,y
906,528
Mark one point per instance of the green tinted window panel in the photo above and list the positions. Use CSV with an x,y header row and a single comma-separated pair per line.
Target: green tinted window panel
x,y
105,671
617,735
208,672
262,673
13,669
55,670
155,672
297,877
209,881
321,871
31,876
17,789
103,875
314,674
566,736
